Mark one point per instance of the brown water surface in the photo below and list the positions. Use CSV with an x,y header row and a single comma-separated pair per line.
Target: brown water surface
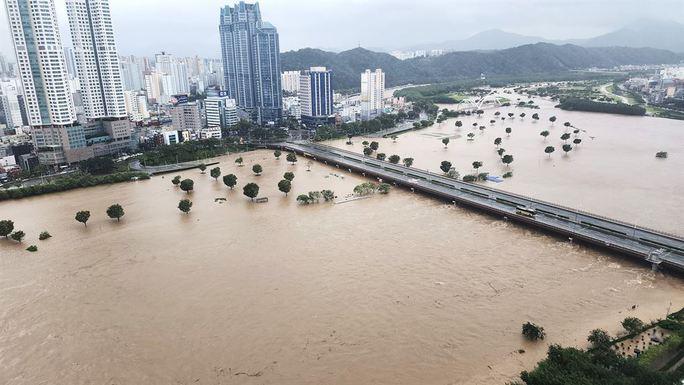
x,y
397,289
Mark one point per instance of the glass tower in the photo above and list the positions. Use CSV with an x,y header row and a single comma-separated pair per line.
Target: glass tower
x,y
251,61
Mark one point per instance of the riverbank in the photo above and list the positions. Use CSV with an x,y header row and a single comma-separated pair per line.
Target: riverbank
x,y
71,182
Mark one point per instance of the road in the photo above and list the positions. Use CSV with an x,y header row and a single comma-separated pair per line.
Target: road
x,y
646,244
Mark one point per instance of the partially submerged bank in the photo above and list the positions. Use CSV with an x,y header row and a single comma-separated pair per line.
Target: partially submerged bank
x,y
656,357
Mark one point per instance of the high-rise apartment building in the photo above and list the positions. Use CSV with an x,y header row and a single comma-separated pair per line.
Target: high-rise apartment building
x,y
153,86
96,57
316,93
372,93
42,68
136,105
132,73
290,81
251,60
175,74
10,109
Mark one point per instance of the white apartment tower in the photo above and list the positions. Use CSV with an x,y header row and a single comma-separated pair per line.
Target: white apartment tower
x,y
40,59
372,93
290,81
97,60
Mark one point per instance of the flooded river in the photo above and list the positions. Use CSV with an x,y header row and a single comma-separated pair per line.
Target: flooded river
x,y
613,172
396,289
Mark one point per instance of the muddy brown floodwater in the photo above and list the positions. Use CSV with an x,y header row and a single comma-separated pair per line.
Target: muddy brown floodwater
x,y
396,289
613,172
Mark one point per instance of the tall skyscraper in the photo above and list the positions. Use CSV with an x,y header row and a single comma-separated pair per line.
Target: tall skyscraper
x,y
97,60
42,68
251,61
372,93
316,93
40,58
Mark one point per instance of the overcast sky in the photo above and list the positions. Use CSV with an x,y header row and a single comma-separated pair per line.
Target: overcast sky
x,y
190,27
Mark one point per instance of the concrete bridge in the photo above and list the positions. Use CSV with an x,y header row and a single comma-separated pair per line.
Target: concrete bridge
x,y
658,248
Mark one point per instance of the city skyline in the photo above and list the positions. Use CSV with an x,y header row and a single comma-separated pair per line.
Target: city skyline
x,y
199,26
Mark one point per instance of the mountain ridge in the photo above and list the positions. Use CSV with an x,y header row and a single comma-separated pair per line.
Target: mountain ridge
x,y
523,60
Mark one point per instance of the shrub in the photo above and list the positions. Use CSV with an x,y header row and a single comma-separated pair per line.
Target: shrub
x,y
44,235
533,332
32,248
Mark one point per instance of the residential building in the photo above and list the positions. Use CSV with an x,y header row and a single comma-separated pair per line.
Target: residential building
x,y
136,105
251,60
153,86
290,81
186,117
372,93
175,74
132,73
42,68
220,111
291,107
10,109
96,57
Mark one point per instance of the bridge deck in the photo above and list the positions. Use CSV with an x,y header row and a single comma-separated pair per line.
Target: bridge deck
x,y
640,242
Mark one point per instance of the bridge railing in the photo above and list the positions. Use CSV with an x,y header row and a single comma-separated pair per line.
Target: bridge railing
x,y
520,196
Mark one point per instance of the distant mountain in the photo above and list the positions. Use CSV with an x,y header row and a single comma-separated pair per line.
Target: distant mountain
x,y
524,60
661,34
492,39
348,65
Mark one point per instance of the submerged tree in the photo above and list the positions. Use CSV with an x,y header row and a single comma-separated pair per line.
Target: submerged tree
x,y
257,169
445,166
477,164
239,161
508,131
545,134
277,154
292,158
445,141
185,205
215,173
115,211
230,180
202,167
187,185
83,217
507,159
533,332
285,186
251,190
6,227
567,148
408,162
394,159
497,142
289,176
18,236
549,150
